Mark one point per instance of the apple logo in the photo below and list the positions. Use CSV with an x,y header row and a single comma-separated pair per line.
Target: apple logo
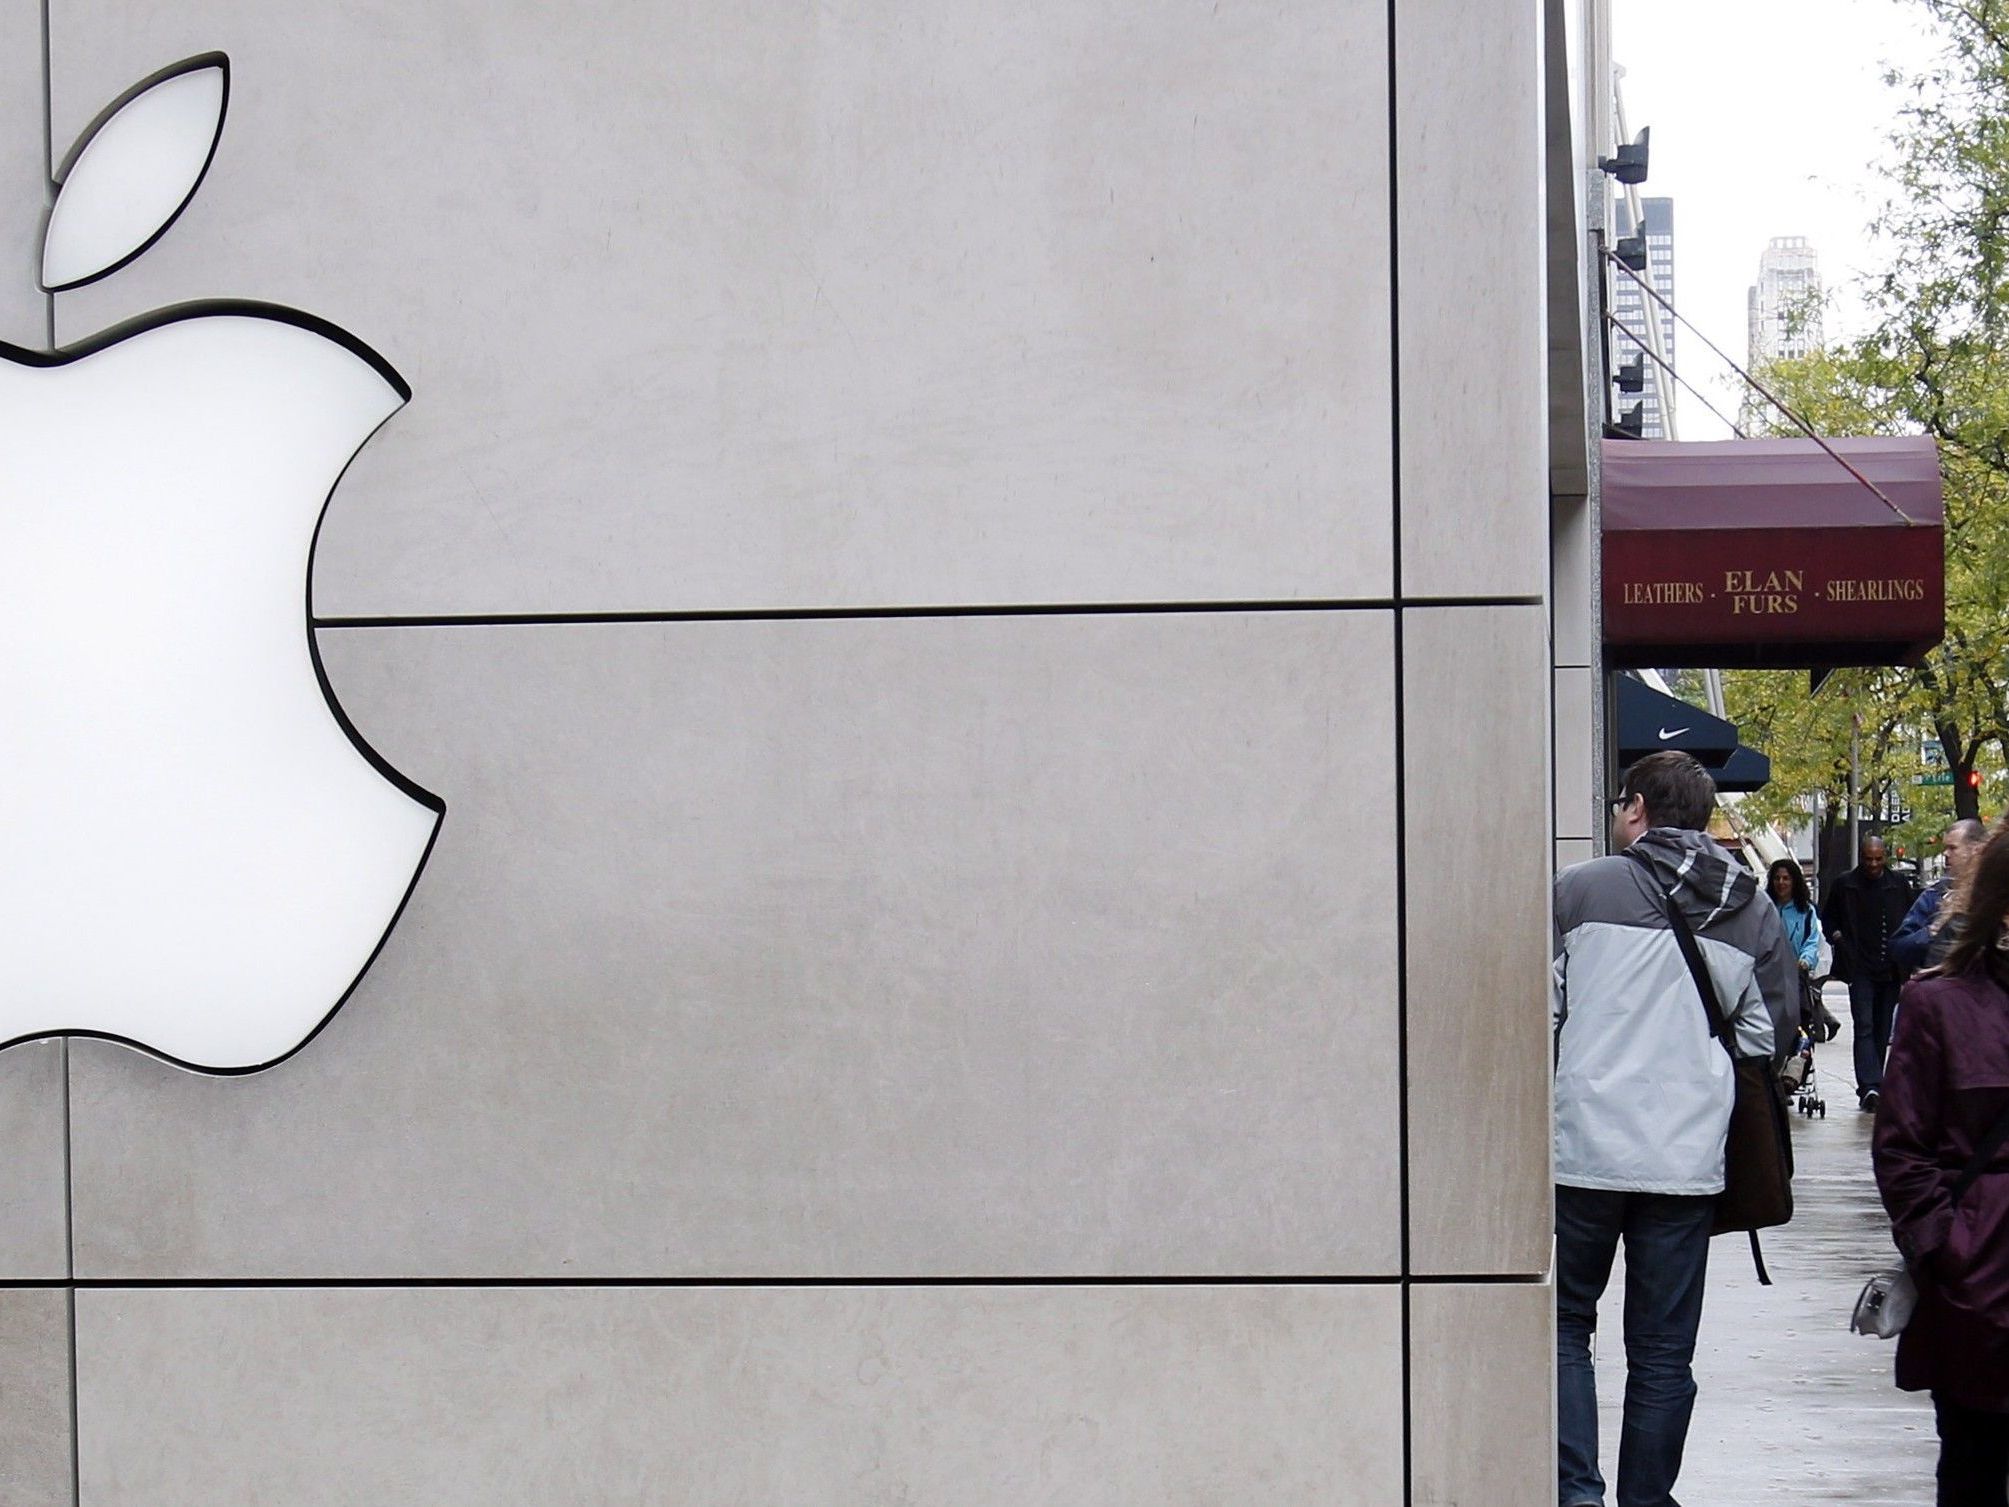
x,y
199,855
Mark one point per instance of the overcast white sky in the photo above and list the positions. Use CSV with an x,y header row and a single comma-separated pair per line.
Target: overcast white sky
x,y
1768,119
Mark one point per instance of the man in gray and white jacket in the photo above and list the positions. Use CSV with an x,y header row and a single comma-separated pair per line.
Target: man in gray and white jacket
x,y
1643,1095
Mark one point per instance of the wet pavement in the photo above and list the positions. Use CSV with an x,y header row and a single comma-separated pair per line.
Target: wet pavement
x,y
1792,1407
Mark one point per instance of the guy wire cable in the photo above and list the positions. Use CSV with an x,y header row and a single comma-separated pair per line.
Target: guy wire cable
x,y
1668,366
1763,391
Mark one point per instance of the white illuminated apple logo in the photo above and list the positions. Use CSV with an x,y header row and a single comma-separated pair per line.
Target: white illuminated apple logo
x,y
199,855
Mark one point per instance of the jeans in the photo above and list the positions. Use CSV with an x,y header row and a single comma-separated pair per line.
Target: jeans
x,y
1872,1008
1666,1257
1973,1455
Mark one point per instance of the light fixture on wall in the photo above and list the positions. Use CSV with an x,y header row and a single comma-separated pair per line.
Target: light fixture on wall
x,y
1630,425
1631,377
1628,164
1631,251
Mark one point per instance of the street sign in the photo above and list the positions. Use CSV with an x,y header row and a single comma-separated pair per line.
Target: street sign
x,y
1937,777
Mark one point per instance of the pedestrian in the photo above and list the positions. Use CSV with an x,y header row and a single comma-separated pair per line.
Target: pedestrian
x,y
1786,883
1642,1107
1945,1090
1922,939
1862,912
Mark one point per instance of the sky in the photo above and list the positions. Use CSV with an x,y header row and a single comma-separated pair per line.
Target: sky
x,y
1769,118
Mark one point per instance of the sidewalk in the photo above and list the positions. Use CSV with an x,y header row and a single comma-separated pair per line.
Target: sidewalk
x,y
1792,1407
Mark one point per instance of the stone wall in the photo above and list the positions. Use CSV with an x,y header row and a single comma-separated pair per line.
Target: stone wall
x,y
975,583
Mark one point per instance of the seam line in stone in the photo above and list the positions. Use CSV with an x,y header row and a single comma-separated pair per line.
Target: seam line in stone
x,y
839,614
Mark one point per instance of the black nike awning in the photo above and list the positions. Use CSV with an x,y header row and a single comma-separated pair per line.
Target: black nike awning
x,y
1744,771
1649,722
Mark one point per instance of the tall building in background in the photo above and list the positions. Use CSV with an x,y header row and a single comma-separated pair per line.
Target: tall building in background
x,y
1785,302
1785,315
1633,310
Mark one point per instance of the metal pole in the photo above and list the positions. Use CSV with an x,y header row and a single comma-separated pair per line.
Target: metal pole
x,y
1820,827
1855,787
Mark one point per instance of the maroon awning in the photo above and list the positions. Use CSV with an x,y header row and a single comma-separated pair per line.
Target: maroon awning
x,y
1768,552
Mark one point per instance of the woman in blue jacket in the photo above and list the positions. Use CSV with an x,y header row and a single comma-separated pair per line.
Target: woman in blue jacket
x,y
1788,888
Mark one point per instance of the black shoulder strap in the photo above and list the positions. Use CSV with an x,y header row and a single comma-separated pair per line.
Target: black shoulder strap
x,y
1691,953
1983,1155
1712,1006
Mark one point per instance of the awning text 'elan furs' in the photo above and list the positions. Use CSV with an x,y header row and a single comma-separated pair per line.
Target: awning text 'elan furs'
x,y
1788,553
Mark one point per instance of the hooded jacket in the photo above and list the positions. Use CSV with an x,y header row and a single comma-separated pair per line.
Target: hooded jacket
x,y
1643,1091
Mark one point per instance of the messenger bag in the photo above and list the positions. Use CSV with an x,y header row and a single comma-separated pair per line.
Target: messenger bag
x,y
1758,1151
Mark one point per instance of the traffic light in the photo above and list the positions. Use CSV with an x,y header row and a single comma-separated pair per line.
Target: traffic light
x,y
1973,779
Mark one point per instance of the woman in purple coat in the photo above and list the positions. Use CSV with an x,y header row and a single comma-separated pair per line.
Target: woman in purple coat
x,y
1945,1087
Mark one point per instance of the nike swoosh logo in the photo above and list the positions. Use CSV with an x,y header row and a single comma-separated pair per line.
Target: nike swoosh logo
x,y
1666,733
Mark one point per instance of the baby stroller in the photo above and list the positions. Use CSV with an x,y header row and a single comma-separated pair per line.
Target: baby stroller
x,y
1798,1077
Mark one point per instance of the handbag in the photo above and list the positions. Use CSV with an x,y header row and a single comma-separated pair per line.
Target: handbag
x,y
1758,1150
1885,1304
1815,1016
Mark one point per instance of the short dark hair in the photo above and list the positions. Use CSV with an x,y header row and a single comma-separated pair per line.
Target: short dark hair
x,y
1969,829
1677,790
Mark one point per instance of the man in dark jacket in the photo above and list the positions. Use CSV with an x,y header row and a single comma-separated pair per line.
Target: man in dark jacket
x,y
1921,941
1861,912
